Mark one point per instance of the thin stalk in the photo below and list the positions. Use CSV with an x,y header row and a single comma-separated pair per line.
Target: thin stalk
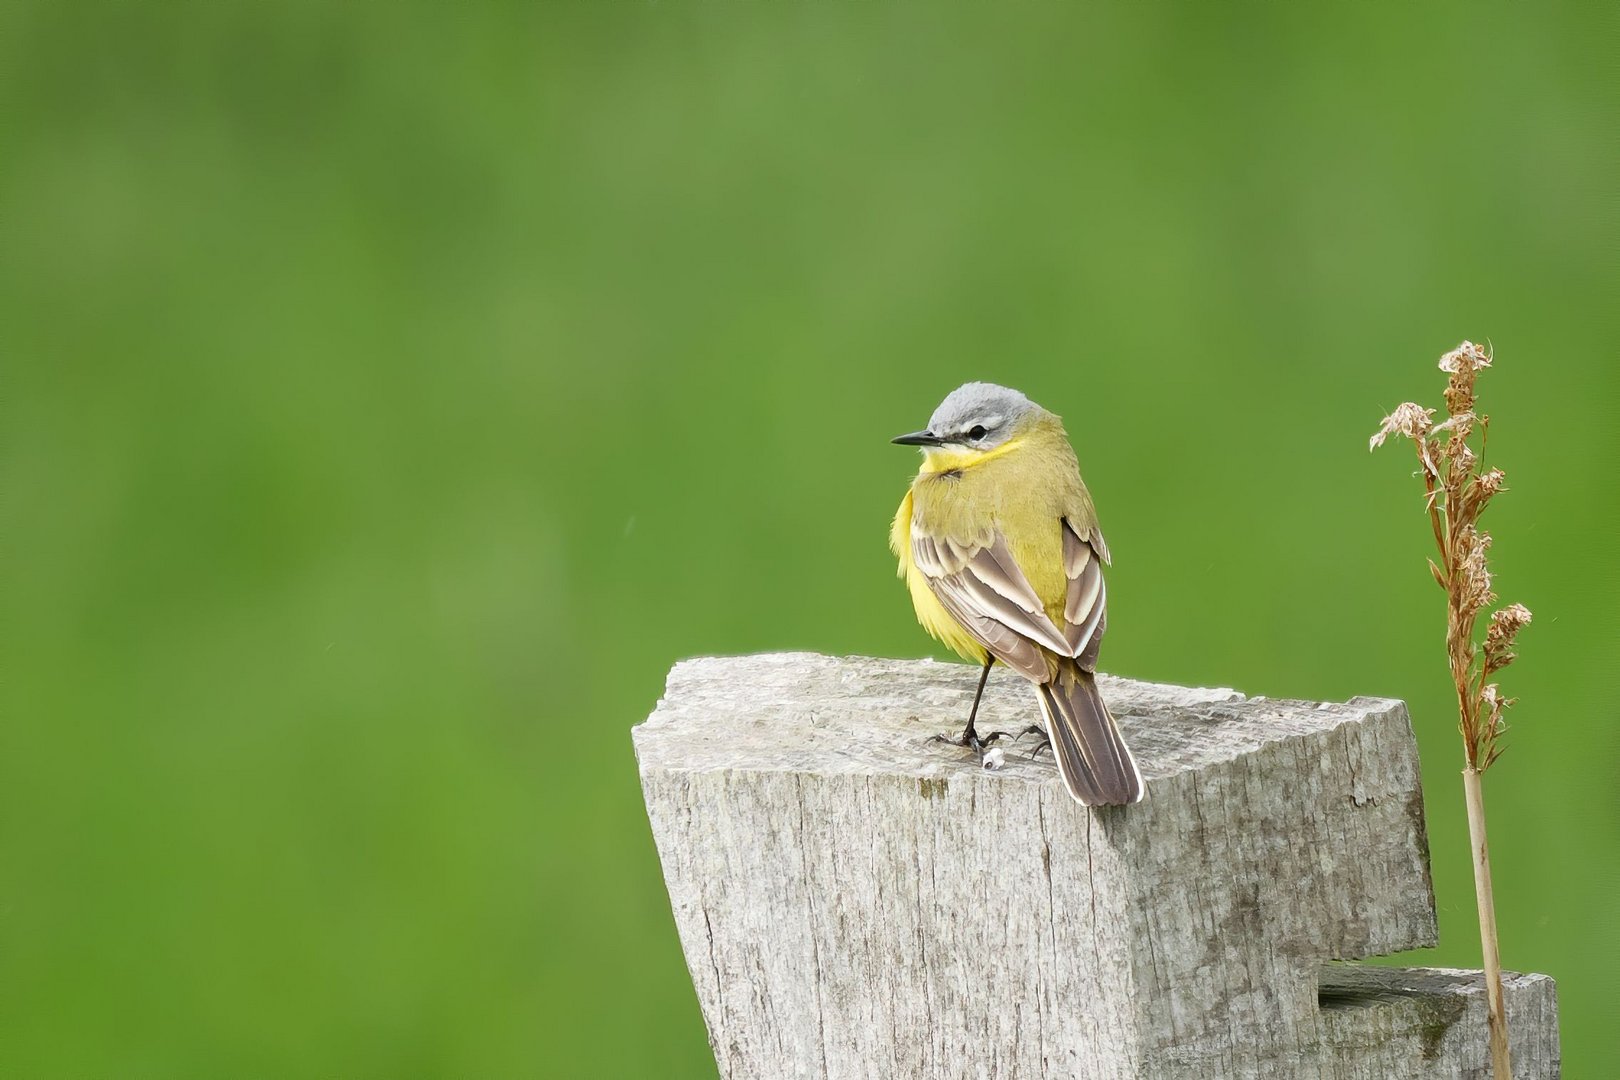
x,y
1501,1062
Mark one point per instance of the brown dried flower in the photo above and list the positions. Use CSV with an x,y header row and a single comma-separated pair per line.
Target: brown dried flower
x,y
1478,491
1503,628
1508,622
1456,492
1466,357
1463,420
1473,570
1463,364
1458,450
1409,420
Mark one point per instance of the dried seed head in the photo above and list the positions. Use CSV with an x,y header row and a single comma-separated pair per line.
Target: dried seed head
x,y
1466,357
1473,571
1478,492
1457,489
1463,421
1509,621
1460,394
1409,420
1460,425
1461,454
1504,627
1462,363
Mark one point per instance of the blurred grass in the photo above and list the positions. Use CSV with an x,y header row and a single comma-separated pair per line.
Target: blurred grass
x,y
394,392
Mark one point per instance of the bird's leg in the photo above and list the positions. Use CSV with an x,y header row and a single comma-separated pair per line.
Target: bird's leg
x,y
970,736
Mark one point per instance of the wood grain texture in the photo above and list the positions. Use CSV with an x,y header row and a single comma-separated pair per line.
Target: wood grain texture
x,y
856,900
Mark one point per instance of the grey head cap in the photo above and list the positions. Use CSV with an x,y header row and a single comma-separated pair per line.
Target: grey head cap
x,y
976,414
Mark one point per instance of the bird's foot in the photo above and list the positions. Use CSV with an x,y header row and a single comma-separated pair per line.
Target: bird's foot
x,y
972,740
1044,744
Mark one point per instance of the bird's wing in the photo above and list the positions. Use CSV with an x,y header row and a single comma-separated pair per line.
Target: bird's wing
x,y
982,587
1085,604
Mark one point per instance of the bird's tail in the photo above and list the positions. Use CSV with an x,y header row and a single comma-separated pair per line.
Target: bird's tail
x,y
1096,765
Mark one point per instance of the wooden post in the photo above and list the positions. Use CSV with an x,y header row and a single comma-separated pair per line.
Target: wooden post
x,y
855,900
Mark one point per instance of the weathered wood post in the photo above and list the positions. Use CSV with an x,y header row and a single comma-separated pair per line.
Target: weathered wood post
x,y
857,901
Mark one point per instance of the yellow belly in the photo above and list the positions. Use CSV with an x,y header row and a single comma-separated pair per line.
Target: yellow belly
x,y
930,612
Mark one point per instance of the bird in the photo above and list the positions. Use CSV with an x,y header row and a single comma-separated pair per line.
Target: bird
x,y
999,546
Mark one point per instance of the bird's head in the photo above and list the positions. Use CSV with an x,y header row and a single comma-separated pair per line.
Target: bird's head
x,y
975,421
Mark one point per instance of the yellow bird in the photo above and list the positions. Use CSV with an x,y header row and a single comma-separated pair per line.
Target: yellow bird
x,y
999,545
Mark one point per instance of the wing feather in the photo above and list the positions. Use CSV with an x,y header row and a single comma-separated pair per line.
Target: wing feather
x,y
1001,641
984,589
992,599
1085,605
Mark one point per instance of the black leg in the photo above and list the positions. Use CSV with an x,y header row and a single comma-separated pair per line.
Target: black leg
x,y
970,737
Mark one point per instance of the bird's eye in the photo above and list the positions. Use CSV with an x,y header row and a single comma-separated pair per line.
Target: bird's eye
x,y
977,432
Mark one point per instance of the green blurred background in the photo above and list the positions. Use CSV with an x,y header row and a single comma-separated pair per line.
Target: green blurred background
x,y
393,392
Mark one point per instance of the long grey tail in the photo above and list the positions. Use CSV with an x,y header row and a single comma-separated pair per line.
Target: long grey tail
x,y
1096,765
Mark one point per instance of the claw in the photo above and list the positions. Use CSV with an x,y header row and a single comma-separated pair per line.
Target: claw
x,y
979,744
1044,744
1036,729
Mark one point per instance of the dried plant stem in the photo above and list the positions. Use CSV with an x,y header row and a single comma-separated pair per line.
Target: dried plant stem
x,y
1457,487
1460,650
1474,794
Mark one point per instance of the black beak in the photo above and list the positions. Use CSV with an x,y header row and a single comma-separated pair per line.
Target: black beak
x,y
918,438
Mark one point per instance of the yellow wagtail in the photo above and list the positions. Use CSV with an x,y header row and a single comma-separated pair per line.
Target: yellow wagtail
x,y
999,545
